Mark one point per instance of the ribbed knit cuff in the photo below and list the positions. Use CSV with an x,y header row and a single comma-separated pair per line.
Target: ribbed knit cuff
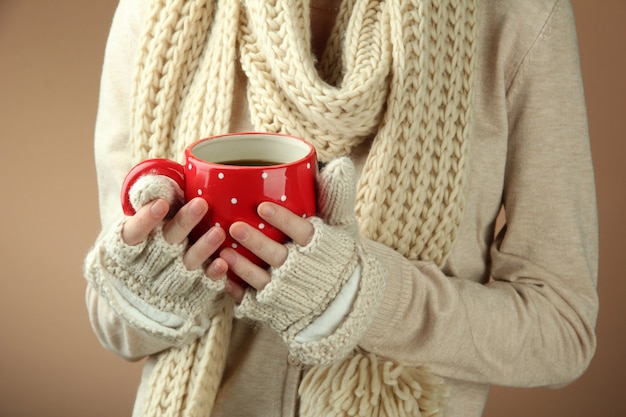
x,y
303,287
154,272
351,330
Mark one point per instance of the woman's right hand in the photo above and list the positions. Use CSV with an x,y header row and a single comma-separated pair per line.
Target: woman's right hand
x,y
176,229
153,278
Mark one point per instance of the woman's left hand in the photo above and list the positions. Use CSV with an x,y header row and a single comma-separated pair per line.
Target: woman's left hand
x,y
298,229
307,274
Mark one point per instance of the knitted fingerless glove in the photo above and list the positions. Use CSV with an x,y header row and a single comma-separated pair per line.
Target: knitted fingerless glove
x,y
148,285
303,287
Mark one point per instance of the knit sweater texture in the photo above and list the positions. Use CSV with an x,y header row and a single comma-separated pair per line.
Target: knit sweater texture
x,y
517,307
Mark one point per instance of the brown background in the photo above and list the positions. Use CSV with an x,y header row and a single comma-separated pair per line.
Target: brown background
x,y
51,364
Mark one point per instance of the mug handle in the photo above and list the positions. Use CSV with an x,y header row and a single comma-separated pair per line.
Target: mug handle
x,y
156,166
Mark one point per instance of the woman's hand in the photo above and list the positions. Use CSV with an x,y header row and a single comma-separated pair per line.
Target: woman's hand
x,y
324,262
307,274
299,230
138,227
152,277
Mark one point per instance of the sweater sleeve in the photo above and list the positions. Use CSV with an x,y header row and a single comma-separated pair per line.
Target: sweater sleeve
x,y
111,140
533,323
113,161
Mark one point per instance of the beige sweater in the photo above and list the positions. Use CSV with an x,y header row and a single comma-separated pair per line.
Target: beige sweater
x,y
531,325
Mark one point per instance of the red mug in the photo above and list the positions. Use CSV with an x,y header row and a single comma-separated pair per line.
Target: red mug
x,y
236,172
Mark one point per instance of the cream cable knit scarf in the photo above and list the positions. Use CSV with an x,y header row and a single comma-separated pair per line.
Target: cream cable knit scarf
x,y
397,72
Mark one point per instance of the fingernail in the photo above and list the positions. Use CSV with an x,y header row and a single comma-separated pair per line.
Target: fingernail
x,y
197,206
219,268
239,231
266,210
229,256
159,208
215,235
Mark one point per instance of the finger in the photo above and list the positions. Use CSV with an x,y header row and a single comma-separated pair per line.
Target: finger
x,y
255,241
216,269
337,192
177,229
203,248
235,291
143,222
297,228
254,275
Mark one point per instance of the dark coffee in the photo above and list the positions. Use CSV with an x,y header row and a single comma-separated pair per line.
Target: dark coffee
x,y
251,162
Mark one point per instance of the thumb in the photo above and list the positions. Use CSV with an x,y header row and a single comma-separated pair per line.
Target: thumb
x,y
151,187
337,194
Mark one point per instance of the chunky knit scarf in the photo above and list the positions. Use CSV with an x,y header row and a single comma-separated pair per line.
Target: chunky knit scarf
x,y
397,73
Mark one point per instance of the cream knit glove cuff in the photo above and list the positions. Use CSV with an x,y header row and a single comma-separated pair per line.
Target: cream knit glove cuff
x,y
153,272
353,326
308,281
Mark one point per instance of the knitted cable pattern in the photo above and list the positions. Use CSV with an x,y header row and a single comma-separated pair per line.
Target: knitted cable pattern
x,y
412,191
287,94
185,380
186,55
398,73
184,80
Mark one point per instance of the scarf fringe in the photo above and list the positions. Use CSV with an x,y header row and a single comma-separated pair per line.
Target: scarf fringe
x,y
366,386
